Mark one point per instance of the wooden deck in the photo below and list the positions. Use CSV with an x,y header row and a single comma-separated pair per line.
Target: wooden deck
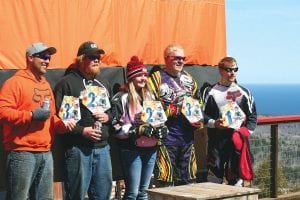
x,y
204,191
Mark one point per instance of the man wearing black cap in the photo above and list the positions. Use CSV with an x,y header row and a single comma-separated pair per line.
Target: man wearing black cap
x,y
27,112
87,158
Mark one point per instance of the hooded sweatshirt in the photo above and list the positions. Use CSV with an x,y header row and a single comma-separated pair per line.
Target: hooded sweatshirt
x,y
73,84
19,96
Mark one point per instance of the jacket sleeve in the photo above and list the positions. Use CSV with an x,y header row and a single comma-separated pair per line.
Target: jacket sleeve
x,y
154,83
109,111
120,125
210,108
251,114
59,125
10,97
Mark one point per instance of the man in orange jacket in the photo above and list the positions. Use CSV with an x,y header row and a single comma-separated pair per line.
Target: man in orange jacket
x,y
27,114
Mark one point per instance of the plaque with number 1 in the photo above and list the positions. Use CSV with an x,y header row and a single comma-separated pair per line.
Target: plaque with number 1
x,y
233,115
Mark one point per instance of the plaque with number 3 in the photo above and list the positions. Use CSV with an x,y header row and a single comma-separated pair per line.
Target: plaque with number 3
x,y
70,109
191,109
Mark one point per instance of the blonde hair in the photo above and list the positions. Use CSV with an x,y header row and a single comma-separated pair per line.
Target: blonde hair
x,y
134,98
172,48
78,60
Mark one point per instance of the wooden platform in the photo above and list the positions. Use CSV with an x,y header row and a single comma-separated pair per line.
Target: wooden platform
x,y
202,191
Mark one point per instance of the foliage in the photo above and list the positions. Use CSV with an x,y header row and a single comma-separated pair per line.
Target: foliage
x,y
263,182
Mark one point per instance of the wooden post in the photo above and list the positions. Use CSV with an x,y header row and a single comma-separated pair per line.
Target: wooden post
x,y
274,161
201,140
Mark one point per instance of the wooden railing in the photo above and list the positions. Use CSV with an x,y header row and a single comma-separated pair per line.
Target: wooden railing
x,y
274,122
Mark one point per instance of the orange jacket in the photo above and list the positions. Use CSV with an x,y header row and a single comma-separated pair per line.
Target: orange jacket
x,y
20,95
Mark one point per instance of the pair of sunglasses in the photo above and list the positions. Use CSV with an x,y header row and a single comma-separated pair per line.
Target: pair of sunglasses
x,y
227,69
93,57
178,58
42,56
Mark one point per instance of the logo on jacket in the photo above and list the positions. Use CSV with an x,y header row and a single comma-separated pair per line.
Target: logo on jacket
x,y
39,95
233,95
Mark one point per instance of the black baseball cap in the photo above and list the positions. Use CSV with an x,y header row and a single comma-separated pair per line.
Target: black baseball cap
x,y
89,48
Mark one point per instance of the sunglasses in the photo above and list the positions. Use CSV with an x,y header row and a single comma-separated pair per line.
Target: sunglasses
x,y
227,69
42,56
93,57
178,58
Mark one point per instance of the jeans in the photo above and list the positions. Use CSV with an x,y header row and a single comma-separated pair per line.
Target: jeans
x,y
88,171
138,168
29,175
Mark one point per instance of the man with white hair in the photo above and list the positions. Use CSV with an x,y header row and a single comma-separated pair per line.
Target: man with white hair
x,y
176,160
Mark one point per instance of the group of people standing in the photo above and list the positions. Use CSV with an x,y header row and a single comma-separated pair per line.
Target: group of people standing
x,y
166,150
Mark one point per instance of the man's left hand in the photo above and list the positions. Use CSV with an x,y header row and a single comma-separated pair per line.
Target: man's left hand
x,y
101,116
198,124
70,124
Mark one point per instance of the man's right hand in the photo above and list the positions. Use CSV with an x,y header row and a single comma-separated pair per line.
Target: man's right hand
x,y
91,134
40,114
220,124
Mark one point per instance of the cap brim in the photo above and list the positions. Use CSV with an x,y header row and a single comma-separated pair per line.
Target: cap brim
x,y
50,50
92,51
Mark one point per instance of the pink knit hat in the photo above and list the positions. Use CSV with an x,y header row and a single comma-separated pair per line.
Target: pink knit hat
x,y
135,67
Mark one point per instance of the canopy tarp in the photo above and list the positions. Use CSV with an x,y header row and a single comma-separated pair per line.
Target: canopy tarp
x,y
122,28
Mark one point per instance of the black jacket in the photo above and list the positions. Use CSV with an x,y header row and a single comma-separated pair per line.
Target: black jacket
x,y
216,94
71,85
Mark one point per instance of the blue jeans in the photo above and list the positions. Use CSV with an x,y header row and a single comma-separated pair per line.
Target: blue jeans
x,y
137,167
88,171
29,175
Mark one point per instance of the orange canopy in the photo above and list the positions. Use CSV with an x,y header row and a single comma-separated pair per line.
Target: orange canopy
x,y
121,27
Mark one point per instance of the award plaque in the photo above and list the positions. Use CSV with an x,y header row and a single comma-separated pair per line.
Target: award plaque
x,y
95,98
153,113
191,109
233,115
70,109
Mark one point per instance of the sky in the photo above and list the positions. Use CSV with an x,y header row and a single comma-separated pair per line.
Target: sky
x,y
264,37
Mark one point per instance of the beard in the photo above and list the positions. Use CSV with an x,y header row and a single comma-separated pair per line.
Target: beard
x,y
92,70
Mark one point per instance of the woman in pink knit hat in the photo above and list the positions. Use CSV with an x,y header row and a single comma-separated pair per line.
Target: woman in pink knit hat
x,y
136,139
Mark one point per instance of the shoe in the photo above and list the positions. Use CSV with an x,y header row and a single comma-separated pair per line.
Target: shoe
x,y
213,179
239,183
247,183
